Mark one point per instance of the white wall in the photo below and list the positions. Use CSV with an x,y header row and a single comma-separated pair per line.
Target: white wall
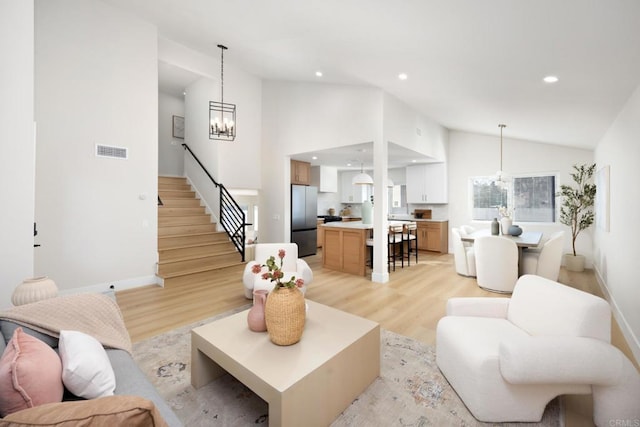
x,y
616,252
404,126
96,81
197,138
479,155
17,162
170,151
301,117
240,88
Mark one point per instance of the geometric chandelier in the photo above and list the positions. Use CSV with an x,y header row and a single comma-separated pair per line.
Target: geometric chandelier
x,y
222,117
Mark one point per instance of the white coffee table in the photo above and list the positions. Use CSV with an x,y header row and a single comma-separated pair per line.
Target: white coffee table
x,y
309,383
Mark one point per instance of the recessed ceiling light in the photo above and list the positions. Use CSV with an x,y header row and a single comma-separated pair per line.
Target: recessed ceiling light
x,y
348,164
403,76
314,157
413,161
318,73
550,79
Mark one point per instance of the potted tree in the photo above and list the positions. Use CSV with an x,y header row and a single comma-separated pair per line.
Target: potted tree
x,y
576,210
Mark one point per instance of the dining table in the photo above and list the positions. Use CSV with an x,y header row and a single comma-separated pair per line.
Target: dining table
x,y
528,239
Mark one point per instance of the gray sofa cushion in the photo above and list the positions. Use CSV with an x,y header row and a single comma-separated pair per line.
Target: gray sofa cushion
x,y
131,380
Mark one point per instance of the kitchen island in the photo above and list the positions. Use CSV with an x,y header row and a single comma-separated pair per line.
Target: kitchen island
x,y
345,246
345,243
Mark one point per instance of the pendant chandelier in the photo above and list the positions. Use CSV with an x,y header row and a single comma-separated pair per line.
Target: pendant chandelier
x,y
362,178
222,117
501,176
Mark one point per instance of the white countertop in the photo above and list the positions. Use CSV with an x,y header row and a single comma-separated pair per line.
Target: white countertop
x,y
357,224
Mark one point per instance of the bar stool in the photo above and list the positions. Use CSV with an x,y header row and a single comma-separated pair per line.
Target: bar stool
x,y
395,246
410,236
369,243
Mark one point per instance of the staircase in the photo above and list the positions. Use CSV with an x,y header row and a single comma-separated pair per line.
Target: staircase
x,y
189,247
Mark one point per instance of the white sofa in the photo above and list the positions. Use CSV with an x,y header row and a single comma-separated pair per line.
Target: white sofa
x,y
508,357
291,266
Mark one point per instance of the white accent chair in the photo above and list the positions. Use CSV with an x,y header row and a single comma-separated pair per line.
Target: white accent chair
x,y
463,255
546,261
508,357
291,266
496,263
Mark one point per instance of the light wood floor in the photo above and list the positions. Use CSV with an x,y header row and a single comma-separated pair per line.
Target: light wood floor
x,y
410,304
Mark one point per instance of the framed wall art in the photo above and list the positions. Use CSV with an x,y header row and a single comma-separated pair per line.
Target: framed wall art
x,y
178,127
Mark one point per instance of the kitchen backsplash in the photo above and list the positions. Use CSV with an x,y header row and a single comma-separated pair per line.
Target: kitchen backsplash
x,y
332,200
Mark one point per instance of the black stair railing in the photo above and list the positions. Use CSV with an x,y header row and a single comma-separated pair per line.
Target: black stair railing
x,y
232,218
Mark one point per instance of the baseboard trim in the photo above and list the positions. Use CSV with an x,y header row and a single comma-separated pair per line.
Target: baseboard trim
x,y
114,286
632,339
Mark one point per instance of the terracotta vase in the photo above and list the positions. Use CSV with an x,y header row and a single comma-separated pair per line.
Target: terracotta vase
x,y
255,318
285,315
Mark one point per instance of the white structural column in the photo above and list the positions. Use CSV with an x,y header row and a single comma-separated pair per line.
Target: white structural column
x,y
380,208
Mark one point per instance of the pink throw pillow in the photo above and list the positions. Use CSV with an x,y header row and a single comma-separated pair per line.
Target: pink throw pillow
x,y
30,374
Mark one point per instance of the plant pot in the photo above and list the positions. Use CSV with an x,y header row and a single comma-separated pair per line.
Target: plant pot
x,y
574,262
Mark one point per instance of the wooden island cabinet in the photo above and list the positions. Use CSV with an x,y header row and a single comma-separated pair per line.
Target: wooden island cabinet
x,y
344,247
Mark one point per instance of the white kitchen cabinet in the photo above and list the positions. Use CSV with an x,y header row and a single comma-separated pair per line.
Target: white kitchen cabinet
x,y
427,183
325,178
350,193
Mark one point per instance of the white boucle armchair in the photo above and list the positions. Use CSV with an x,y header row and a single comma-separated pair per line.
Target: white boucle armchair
x,y
508,357
291,266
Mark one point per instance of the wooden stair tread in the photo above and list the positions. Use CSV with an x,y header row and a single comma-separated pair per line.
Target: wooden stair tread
x,y
196,252
190,248
196,270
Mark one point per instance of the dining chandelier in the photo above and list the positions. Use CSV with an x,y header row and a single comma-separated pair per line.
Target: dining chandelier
x,y
501,176
222,116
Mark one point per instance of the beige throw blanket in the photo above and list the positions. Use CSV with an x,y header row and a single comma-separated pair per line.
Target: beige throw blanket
x,y
93,314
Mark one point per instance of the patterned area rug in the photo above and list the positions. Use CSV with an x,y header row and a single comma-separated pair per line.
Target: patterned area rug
x,y
410,391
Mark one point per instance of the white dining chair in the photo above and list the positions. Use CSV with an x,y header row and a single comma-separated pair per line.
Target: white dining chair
x,y
463,255
496,263
466,229
546,261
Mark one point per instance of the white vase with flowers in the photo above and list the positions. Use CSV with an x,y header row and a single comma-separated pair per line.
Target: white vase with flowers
x,y
506,220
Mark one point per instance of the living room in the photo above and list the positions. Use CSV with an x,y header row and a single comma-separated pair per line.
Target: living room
x,y
86,72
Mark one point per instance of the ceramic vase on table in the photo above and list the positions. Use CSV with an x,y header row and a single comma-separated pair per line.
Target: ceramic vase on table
x,y
505,223
495,227
34,289
515,230
285,315
255,318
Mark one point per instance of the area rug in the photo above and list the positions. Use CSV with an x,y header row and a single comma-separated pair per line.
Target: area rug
x,y
410,391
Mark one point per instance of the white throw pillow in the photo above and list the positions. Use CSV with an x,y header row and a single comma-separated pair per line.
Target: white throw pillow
x,y
86,369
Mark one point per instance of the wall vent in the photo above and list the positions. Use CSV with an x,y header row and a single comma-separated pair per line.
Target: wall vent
x,y
113,152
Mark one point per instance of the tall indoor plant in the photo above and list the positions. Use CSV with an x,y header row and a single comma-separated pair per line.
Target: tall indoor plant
x,y
576,210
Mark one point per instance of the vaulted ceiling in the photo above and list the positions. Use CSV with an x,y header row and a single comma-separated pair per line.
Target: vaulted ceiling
x,y
470,64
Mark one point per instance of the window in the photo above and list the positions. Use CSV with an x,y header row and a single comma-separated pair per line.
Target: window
x,y
487,196
532,197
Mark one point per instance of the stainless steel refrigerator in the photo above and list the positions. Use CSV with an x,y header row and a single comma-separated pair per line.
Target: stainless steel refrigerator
x,y
304,214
